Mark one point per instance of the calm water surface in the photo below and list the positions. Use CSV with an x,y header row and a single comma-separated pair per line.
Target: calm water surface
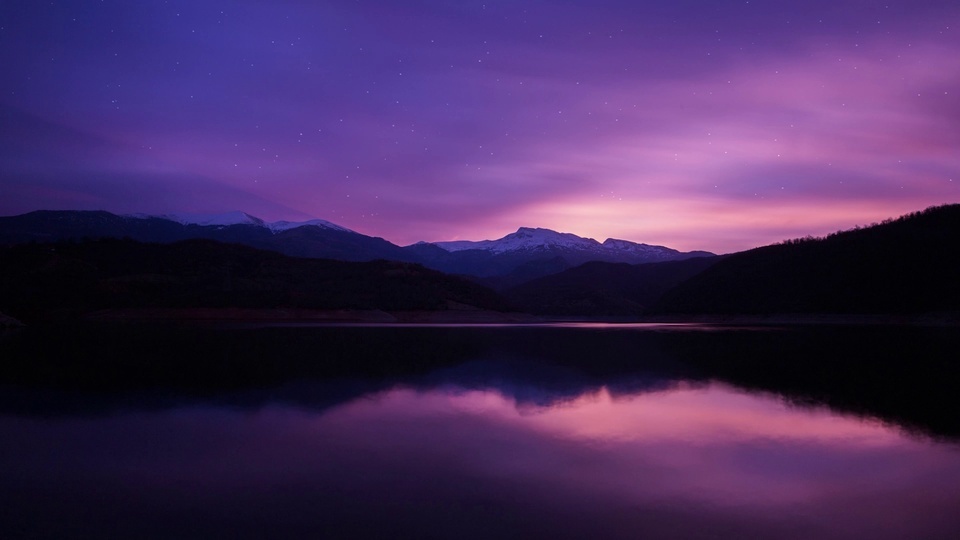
x,y
533,433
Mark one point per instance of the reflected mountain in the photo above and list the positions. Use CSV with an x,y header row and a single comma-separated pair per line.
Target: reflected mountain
x,y
901,375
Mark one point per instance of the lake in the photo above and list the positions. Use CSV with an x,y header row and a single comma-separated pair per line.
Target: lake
x,y
556,431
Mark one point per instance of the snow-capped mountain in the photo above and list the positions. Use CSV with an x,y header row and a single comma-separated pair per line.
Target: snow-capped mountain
x,y
537,239
207,220
533,252
242,218
525,238
315,238
278,226
526,254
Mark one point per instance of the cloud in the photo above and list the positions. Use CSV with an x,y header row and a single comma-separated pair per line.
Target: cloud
x,y
808,135
429,120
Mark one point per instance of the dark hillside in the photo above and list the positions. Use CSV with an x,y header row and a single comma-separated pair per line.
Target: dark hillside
x,y
601,288
903,266
71,278
308,241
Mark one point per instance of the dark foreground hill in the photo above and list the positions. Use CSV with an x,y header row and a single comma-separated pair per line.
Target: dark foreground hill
x,y
69,279
909,265
602,288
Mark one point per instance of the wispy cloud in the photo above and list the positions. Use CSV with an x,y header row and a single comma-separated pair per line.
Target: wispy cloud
x,y
717,128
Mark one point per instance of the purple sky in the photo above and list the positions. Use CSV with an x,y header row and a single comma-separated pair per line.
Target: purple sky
x,y
693,124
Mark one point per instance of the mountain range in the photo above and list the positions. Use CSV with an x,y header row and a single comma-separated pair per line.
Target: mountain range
x,y
903,266
51,262
526,254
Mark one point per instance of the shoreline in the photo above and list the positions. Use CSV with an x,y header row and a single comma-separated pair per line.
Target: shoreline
x,y
455,316
308,316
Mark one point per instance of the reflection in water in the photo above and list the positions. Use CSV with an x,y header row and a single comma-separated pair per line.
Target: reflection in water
x,y
691,461
598,432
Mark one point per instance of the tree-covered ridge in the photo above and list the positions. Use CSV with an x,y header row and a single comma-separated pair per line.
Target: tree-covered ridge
x,y
907,265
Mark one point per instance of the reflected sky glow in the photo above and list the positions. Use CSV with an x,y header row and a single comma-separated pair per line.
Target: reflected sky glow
x,y
692,461
716,444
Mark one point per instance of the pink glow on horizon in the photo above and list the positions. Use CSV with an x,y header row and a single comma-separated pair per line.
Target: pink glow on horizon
x,y
468,129
721,224
852,150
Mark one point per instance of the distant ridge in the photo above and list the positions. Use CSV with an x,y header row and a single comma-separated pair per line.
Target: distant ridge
x,y
524,238
905,266
527,254
242,218
531,253
313,239
531,239
901,266
228,218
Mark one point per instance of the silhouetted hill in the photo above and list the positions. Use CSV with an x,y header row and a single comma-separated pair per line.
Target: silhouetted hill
x,y
55,225
600,288
526,272
316,242
903,266
305,241
71,278
518,257
531,253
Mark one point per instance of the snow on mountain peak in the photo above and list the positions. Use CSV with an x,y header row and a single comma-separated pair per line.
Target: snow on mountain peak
x,y
278,226
229,218
242,218
525,238
632,247
530,239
